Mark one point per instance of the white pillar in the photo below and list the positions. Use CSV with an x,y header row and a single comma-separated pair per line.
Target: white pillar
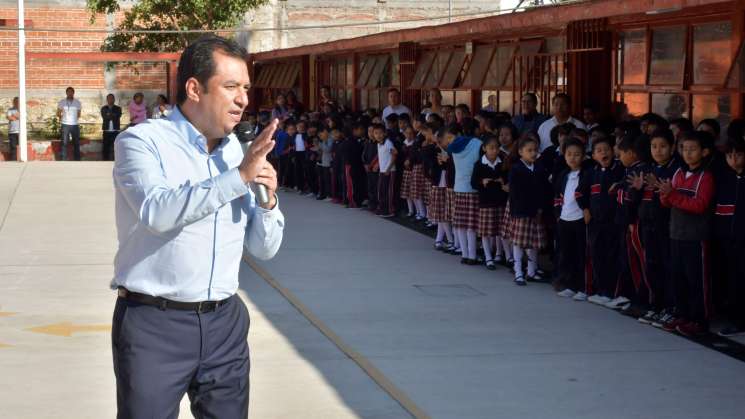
x,y
22,147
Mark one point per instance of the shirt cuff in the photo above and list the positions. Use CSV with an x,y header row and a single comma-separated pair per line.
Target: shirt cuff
x,y
231,185
263,210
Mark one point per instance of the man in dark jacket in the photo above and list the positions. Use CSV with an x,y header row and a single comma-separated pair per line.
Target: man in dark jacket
x,y
111,115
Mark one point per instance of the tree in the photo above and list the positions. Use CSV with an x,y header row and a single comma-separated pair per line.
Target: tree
x,y
168,15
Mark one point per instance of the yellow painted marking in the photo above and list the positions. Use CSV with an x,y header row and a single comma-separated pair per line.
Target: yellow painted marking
x,y
67,329
373,372
4,345
7,313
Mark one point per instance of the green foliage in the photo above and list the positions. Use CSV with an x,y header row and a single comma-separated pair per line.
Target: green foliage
x,y
169,15
52,127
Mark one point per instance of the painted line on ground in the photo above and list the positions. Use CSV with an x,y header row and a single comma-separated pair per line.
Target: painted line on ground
x,y
12,196
373,372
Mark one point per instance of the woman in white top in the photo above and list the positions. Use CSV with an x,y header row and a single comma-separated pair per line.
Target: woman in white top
x,y
162,109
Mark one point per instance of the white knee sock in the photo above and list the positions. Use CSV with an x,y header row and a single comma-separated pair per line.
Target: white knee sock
x,y
440,232
532,261
410,203
507,248
456,238
472,244
420,211
463,239
498,251
448,231
518,253
486,243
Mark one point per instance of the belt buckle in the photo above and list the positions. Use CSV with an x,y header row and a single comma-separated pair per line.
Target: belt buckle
x,y
199,307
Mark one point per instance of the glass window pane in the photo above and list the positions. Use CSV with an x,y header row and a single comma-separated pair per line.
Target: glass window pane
x,y
422,70
448,98
452,73
712,52
668,55
479,64
485,94
350,72
634,56
381,65
555,44
737,77
506,101
293,74
501,63
386,77
637,103
395,76
713,106
366,68
531,47
364,99
670,105
438,68
463,96
375,99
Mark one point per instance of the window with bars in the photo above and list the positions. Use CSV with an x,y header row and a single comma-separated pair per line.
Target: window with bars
x,y
338,74
654,72
375,75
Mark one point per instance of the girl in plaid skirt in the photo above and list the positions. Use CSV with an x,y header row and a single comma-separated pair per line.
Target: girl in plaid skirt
x,y
466,152
413,184
530,193
435,161
508,135
489,180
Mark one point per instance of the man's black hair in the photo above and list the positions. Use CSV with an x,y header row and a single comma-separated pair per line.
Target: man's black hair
x,y
198,61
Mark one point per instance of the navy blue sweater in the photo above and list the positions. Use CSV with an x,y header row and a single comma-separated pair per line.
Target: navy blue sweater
x,y
529,190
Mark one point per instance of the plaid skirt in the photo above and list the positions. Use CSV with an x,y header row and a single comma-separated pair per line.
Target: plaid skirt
x,y
414,184
466,215
451,205
490,222
527,233
438,205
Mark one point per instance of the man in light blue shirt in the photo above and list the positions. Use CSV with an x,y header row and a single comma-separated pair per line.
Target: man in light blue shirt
x,y
184,214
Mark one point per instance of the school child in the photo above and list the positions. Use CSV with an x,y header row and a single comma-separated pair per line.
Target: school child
x,y
729,229
370,163
529,194
337,167
466,152
435,161
489,180
387,154
690,195
312,157
300,152
508,135
633,290
603,234
571,206
324,149
351,152
654,226
413,177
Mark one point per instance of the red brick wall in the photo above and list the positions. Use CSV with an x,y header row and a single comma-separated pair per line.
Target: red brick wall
x,y
62,73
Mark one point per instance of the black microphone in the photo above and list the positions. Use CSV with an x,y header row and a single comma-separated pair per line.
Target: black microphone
x,y
244,133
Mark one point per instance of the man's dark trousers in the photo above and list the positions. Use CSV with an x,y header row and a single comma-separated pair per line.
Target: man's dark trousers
x,y
159,355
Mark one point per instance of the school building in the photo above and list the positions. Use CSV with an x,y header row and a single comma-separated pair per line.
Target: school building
x,y
673,57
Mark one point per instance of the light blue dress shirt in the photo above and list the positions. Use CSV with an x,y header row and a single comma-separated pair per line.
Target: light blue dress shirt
x,y
183,215
464,162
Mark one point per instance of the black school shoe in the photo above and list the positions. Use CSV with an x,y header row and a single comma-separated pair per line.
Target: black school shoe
x,y
520,281
731,331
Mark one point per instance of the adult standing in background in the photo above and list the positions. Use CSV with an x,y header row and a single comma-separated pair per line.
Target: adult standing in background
x,y
161,109
137,109
68,111
562,114
529,118
14,128
280,110
184,214
435,103
111,115
394,104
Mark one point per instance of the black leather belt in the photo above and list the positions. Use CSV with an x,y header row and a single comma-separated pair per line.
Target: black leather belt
x,y
166,304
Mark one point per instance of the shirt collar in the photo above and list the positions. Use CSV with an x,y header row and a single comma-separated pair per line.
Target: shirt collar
x,y
486,161
192,134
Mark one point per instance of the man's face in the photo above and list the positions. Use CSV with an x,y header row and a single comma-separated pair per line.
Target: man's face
x,y
394,98
527,105
561,108
110,100
226,95
589,116
15,102
70,94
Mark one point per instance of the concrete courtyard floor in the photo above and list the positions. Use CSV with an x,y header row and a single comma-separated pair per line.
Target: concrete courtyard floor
x,y
356,317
